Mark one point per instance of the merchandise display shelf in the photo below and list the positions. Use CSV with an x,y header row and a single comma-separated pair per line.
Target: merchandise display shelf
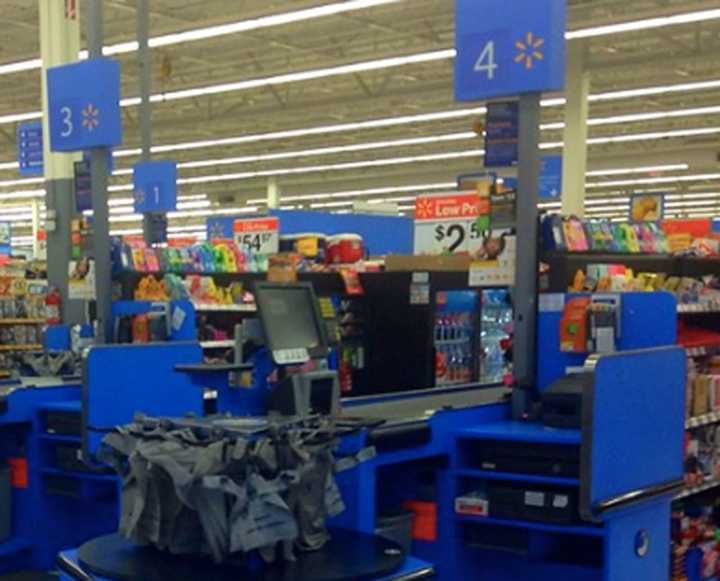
x,y
703,420
698,308
217,344
536,526
702,350
510,476
22,321
79,475
693,490
213,308
30,347
60,439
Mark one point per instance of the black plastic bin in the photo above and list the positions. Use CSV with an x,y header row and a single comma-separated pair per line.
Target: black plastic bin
x,y
5,504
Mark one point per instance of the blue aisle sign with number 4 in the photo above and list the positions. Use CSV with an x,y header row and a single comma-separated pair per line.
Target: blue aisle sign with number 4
x,y
509,47
84,105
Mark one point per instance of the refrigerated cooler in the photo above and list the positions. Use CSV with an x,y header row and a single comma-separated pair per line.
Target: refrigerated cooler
x,y
396,337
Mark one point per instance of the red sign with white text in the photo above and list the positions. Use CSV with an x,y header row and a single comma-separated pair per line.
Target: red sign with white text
x,y
699,228
256,225
461,206
257,235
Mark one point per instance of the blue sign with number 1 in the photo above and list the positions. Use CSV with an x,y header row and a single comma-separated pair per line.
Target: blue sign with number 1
x,y
84,105
509,47
155,185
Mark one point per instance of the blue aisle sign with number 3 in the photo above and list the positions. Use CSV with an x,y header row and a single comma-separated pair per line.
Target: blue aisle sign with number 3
x,y
509,47
84,105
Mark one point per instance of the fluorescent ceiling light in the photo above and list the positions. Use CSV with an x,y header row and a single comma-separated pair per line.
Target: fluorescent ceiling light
x,y
306,132
646,24
374,65
370,124
653,91
19,117
9,165
22,181
610,208
705,195
329,150
601,201
631,170
360,193
637,117
393,200
653,136
331,167
22,195
332,204
657,180
348,6
218,30
310,75
361,125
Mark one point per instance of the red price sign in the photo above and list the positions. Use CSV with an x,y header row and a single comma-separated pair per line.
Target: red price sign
x,y
257,235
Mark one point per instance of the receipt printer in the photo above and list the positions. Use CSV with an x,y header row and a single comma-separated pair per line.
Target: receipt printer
x,y
562,402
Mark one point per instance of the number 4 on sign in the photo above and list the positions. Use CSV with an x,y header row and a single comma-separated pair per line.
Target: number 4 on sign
x,y
486,63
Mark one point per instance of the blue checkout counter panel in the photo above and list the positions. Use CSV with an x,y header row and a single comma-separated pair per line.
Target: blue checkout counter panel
x,y
53,503
19,401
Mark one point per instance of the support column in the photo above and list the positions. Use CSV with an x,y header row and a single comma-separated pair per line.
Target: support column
x,y
576,131
154,223
273,194
35,213
526,270
144,78
99,176
59,45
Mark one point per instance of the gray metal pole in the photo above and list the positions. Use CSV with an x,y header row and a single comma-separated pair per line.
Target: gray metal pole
x,y
59,45
145,117
145,78
99,173
526,279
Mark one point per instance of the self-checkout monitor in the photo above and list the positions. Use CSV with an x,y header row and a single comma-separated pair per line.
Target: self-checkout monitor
x,y
290,317
294,334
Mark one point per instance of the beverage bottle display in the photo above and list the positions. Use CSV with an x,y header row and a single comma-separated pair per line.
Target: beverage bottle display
x,y
453,336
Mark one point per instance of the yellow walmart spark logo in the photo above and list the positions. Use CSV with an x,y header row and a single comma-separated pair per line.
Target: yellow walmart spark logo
x,y
530,50
90,117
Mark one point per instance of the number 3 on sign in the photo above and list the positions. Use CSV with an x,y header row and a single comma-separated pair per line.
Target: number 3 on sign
x,y
66,113
486,63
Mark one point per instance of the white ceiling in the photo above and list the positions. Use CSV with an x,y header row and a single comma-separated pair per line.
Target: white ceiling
x,y
673,55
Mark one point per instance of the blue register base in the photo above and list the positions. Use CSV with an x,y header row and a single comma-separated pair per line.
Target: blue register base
x,y
630,449
43,518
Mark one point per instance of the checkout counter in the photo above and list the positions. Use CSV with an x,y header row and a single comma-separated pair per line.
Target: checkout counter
x,y
497,498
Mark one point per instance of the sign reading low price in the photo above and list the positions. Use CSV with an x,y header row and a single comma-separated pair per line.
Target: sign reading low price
x,y
257,235
448,223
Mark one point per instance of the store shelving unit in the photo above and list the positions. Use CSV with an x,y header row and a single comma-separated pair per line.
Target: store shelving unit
x,y
703,420
213,308
693,490
28,347
564,265
217,344
700,308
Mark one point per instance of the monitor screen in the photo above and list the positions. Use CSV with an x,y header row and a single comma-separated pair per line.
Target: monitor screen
x,y
290,317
